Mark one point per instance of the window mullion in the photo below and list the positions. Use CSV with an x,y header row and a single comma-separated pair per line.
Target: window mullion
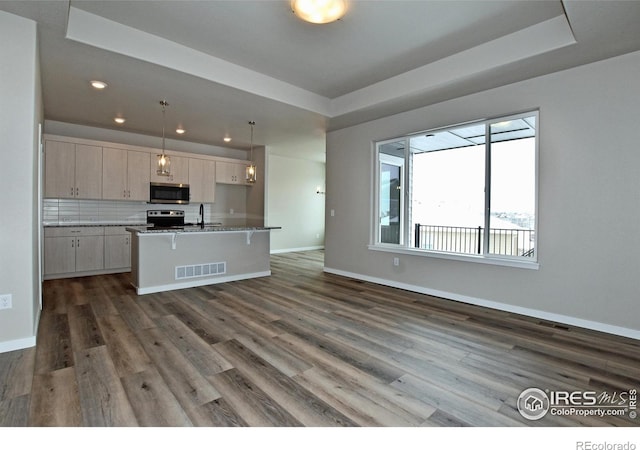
x,y
487,189
406,192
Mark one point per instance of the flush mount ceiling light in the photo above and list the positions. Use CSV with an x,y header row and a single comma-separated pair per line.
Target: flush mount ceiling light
x,y
319,11
164,163
119,120
227,139
251,168
180,130
96,84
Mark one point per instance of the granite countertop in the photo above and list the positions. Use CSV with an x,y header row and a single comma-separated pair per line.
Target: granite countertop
x,y
195,229
92,224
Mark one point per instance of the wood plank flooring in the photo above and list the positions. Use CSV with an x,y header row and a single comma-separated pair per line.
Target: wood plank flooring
x,y
299,348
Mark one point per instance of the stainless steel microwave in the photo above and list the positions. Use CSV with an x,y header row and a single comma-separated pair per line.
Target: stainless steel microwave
x,y
169,193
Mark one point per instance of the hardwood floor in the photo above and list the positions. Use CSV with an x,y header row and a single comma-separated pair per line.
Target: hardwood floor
x,y
299,348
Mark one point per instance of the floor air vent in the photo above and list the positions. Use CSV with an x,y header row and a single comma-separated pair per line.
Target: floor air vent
x,y
200,270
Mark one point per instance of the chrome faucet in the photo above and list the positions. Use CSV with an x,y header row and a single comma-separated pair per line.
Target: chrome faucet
x,y
201,215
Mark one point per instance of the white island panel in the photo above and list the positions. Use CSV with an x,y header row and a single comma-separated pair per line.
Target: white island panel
x,y
177,260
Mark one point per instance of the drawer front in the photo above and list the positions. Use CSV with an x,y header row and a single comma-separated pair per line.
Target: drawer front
x,y
115,231
73,231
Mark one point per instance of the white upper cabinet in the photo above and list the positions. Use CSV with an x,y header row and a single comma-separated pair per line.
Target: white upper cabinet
x,y
138,175
202,180
179,170
231,173
110,171
125,175
114,174
73,170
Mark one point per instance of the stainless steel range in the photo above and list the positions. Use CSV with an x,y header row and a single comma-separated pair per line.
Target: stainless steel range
x,y
165,218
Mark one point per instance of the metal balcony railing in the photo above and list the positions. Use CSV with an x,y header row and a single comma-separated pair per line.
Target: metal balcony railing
x,y
502,241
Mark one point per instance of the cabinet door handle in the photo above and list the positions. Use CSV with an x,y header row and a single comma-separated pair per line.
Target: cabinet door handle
x,y
78,241
72,192
73,242
77,192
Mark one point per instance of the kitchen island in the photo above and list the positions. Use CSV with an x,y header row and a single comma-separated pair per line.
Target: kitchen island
x,y
164,259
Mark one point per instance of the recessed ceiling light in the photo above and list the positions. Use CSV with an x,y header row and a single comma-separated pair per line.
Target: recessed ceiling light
x,y
180,131
227,139
119,120
98,84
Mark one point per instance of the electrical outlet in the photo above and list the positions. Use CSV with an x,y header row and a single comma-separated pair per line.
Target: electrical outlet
x,y
5,301
396,262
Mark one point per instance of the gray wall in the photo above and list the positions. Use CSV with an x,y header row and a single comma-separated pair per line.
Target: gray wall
x,y
20,115
589,201
255,197
294,205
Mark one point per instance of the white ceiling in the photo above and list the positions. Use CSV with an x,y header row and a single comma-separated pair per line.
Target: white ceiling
x,y
220,64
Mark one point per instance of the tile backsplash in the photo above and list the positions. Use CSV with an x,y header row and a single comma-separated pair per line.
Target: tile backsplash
x,y
95,212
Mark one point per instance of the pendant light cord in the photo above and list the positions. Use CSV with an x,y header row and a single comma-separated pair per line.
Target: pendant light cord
x,y
164,104
252,123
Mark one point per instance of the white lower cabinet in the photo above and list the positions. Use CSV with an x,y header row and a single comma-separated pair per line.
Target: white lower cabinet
x,y
89,253
74,251
117,248
59,255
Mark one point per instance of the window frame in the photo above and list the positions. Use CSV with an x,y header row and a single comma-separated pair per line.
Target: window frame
x,y
405,246
394,161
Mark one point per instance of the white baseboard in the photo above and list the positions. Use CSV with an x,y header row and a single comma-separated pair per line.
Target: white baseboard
x,y
21,344
18,344
538,314
297,249
89,273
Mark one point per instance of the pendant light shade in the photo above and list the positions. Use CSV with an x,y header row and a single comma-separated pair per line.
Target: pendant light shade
x,y
164,163
251,168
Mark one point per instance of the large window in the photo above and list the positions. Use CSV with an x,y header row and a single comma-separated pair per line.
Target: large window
x,y
463,190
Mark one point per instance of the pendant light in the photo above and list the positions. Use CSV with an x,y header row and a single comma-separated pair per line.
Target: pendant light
x,y
164,163
251,168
